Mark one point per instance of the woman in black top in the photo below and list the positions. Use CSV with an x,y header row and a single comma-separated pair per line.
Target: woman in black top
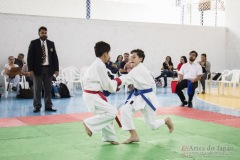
x,y
167,70
119,60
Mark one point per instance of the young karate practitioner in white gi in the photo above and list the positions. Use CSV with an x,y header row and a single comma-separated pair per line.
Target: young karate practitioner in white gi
x,y
142,98
95,81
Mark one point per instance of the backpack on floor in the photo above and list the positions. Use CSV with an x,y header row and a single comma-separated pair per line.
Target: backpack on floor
x,y
25,93
24,90
63,91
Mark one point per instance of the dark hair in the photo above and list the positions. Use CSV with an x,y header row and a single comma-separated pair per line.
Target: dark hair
x,y
204,54
194,52
118,57
21,54
101,47
140,53
42,28
184,58
170,62
126,53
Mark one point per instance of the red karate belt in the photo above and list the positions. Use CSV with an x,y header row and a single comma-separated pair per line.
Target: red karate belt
x,y
105,99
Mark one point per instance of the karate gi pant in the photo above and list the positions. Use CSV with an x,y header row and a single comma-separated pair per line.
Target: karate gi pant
x,y
148,113
104,115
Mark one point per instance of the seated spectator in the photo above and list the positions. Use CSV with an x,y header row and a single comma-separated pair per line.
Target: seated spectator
x,y
7,69
206,66
122,64
20,60
119,60
111,66
183,60
29,78
189,75
167,70
55,90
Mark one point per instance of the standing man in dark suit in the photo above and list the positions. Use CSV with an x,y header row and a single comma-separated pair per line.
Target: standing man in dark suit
x,y
42,63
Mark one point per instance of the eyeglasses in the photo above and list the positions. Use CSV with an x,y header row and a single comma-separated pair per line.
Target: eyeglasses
x,y
11,59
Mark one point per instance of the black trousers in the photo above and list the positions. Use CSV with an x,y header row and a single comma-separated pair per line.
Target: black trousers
x,y
183,84
165,74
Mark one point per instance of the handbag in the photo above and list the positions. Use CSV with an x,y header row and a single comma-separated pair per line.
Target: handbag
x,y
25,91
14,71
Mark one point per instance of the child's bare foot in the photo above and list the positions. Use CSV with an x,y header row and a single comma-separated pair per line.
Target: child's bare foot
x,y
113,142
87,130
131,139
169,123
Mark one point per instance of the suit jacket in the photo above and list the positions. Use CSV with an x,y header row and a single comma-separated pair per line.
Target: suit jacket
x,y
34,58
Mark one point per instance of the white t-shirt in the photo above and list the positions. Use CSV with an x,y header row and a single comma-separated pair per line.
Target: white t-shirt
x,y
190,71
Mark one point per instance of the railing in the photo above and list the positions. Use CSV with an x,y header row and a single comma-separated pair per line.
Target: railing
x,y
210,13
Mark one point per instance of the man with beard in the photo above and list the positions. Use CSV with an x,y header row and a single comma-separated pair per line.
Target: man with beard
x,y
42,63
189,75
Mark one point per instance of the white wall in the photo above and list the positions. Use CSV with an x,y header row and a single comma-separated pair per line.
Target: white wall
x,y
160,11
153,11
75,39
233,34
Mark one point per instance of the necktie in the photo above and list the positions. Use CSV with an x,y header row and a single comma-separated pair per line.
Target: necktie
x,y
43,53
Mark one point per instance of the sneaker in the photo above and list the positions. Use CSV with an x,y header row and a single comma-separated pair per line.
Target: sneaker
x,y
190,105
158,82
14,88
183,103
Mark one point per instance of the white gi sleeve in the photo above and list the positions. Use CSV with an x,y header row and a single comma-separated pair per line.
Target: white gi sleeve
x,y
106,83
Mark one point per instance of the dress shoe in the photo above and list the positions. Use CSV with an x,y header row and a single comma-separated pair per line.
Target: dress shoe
x,y
203,92
50,110
190,105
183,103
14,88
36,110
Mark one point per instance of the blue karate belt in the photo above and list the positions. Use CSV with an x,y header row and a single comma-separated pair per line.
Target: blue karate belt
x,y
137,92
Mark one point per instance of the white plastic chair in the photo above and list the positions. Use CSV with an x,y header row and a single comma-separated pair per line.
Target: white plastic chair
x,y
209,82
71,76
6,83
60,77
232,81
